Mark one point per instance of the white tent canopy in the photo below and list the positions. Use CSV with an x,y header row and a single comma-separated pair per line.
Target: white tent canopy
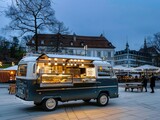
x,y
119,67
146,67
122,68
11,68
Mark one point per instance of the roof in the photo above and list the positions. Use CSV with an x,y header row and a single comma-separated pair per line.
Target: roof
x,y
76,40
11,68
121,52
151,50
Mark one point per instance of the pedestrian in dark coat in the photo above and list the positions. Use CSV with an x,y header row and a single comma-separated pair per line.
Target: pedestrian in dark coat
x,y
144,83
152,83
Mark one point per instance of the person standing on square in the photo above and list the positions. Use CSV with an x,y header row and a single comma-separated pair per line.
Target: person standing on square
x,y
144,82
152,83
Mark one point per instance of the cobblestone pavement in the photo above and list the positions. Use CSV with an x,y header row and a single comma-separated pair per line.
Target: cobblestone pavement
x,y
129,106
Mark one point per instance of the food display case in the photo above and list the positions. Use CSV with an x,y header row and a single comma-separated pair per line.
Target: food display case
x,y
48,80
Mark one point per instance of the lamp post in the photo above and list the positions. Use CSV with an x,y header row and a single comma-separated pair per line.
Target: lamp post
x,y
85,50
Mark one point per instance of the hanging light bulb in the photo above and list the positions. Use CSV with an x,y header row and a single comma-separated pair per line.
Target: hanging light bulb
x,y
49,63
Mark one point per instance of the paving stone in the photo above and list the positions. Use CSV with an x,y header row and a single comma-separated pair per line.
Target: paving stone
x,y
129,106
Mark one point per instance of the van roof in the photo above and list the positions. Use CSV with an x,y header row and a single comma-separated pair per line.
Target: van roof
x,y
70,57
101,63
96,60
35,58
29,59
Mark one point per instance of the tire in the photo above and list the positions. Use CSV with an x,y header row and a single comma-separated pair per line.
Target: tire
x,y
102,99
87,100
49,104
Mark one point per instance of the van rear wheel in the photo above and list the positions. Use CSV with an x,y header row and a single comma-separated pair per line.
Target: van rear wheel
x,y
102,99
49,104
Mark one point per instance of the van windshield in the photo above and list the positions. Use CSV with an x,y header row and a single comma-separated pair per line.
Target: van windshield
x,y
22,70
105,71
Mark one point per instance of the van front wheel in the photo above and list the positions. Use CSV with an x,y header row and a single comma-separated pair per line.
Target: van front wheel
x,y
103,99
49,104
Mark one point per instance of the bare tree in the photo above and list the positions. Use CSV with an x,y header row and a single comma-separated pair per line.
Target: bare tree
x,y
60,28
26,39
4,48
31,16
156,41
154,44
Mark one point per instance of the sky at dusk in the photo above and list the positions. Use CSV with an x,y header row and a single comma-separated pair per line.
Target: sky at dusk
x,y
118,20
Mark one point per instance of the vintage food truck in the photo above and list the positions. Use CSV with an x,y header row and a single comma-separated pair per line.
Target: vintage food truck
x,y
50,78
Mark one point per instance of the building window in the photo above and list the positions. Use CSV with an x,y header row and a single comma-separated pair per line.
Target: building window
x,y
42,42
82,43
71,43
70,52
105,53
109,54
88,53
61,43
98,53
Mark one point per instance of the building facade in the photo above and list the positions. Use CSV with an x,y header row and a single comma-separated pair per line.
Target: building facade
x,y
153,51
96,46
132,58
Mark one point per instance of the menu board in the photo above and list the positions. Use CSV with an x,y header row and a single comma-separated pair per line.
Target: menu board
x,y
90,72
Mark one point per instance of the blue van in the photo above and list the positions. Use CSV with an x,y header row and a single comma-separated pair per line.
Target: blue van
x,y
50,78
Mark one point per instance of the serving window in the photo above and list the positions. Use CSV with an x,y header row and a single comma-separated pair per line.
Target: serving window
x,y
65,71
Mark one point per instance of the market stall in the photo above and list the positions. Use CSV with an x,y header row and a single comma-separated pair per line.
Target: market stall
x,y
8,74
